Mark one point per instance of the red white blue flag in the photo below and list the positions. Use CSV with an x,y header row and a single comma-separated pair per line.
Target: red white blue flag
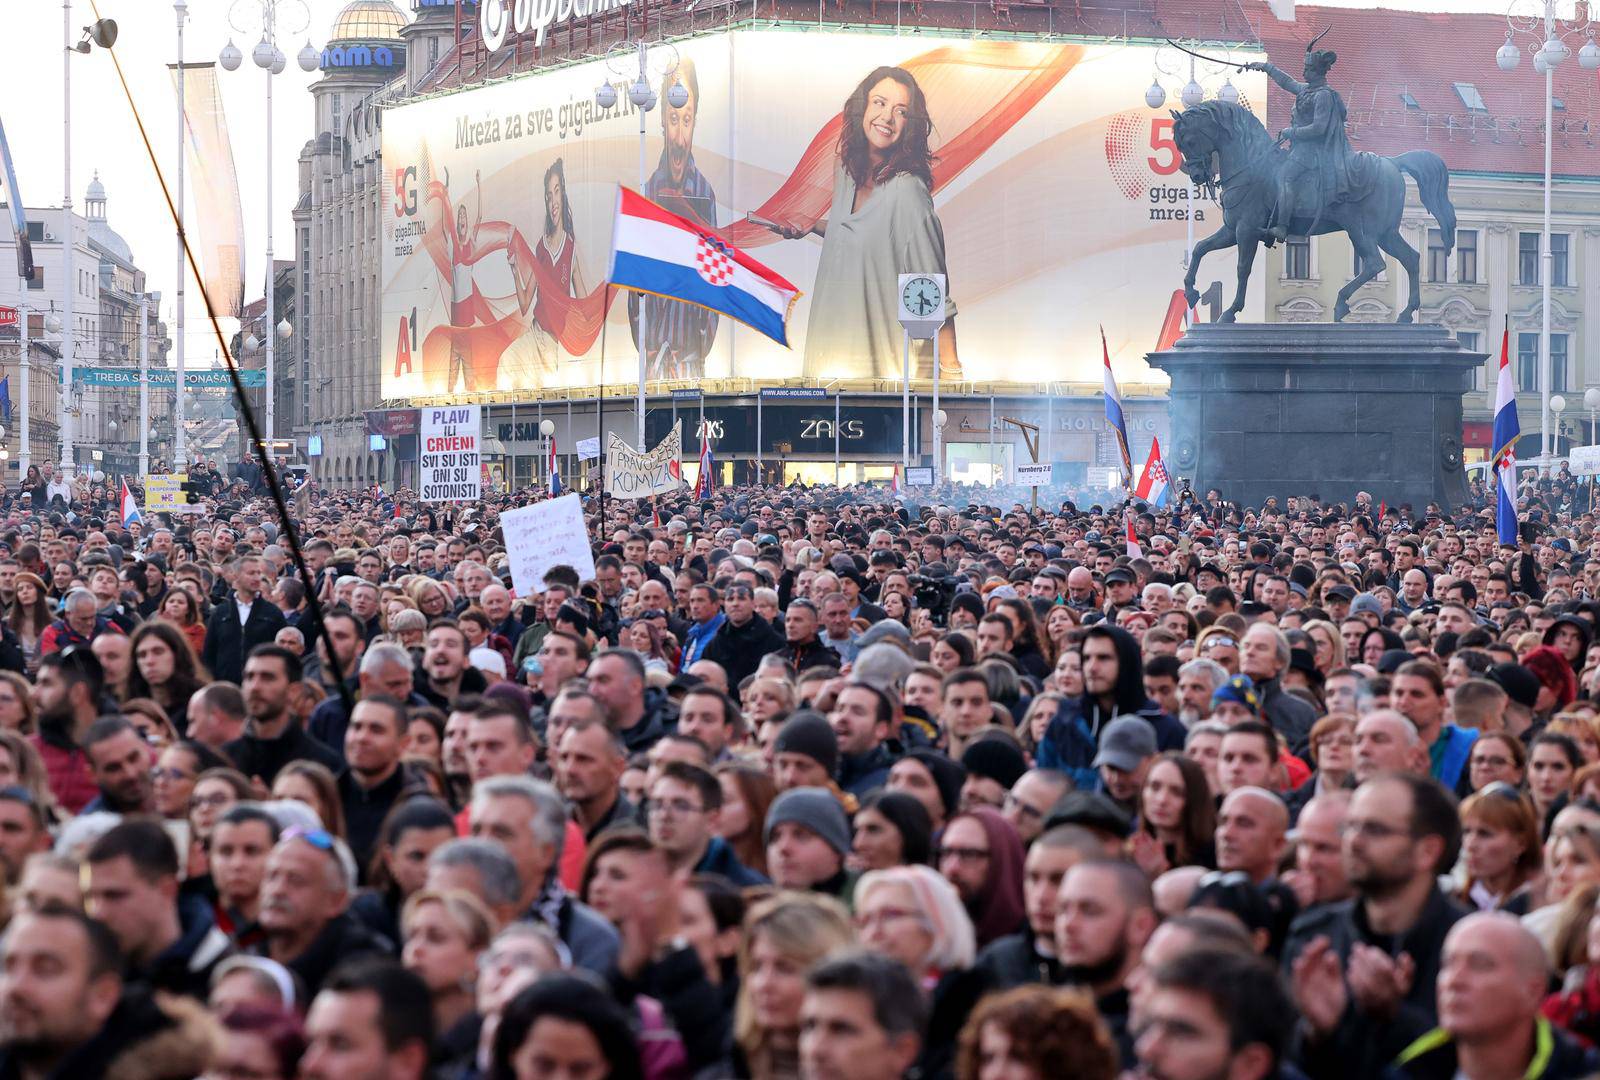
x,y
130,507
703,483
655,251
1506,433
1154,484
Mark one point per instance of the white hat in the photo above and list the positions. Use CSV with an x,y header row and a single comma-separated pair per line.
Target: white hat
x,y
488,660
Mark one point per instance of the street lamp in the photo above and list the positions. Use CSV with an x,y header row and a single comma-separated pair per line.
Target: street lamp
x,y
1192,94
625,58
940,419
104,34
1591,401
547,428
1551,34
271,59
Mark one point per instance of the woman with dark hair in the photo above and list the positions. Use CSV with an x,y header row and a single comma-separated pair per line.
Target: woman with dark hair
x,y
399,866
711,918
165,670
891,829
27,617
1036,1033
572,1019
1376,642
182,609
881,224
951,652
1177,816
747,792
556,256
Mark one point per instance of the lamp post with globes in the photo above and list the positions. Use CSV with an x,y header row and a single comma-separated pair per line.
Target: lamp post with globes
x,y
270,59
1552,33
633,57
547,428
1192,94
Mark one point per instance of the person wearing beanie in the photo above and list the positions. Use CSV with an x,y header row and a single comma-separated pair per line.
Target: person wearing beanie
x,y
933,779
993,764
808,838
1522,689
806,752
1236,701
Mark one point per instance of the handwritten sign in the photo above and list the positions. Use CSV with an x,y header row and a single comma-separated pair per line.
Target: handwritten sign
x,y
163,492
543,536
589,449
448,466
631,474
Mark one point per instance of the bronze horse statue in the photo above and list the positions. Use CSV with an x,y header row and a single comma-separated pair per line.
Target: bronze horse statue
x,y
1226,149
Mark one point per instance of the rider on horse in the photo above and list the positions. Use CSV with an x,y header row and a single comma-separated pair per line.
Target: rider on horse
x,y
1316,173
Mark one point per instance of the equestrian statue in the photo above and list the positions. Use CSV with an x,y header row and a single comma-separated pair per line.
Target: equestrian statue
x,y
1317,185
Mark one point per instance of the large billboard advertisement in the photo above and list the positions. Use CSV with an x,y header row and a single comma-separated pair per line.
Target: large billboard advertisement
x,y
1031,174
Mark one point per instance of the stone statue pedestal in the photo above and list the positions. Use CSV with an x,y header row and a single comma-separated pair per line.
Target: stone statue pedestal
x,y
1324,409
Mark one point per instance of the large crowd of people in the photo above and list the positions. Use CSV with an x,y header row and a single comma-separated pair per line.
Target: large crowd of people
x,y
799,782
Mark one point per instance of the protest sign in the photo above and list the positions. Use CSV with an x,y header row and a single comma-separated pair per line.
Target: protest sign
x,y
545,535
589,449
634,475
163,493
448,467
1034,475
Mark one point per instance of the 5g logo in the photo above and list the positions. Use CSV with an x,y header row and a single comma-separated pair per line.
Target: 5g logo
x,y
405,192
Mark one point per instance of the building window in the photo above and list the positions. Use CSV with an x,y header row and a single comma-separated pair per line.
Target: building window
x,y
37,281
1297,258
36,231
1467,256
1438,257
1558,362
1469,343
1558,259
1528,258
1527,361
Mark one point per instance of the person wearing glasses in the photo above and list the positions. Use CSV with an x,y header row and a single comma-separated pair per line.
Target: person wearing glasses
x,y
1363,971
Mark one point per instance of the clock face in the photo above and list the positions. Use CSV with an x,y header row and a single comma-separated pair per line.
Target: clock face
x,y
922,297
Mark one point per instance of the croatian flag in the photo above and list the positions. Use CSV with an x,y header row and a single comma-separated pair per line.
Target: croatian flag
x,y
130,508
1153,484
1134,550
655,251
1114,410
1506,432
702,483
894,481
555,474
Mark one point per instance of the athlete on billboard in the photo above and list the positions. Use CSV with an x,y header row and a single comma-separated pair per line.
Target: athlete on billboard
x,y
556,254
678,336
881,224
462,318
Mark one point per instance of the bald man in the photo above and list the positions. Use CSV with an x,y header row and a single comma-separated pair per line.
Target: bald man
x,y
1492,977
1252,833
710,673
1387,742
1080,589
1318,876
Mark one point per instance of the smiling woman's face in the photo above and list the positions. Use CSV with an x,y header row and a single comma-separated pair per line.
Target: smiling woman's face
x,y
888,105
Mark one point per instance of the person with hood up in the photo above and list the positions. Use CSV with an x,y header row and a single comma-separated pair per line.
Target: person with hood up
x,y
1113,686
1570,635
980,854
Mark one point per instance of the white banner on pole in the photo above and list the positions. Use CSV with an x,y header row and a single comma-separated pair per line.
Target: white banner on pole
x,y
546,535
1033,475
449,467
1584,460
634,475
589,449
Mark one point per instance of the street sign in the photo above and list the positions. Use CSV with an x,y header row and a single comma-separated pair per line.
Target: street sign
x,y
1033,475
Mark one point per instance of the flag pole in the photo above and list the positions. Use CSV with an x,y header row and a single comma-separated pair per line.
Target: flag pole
x,y
600,412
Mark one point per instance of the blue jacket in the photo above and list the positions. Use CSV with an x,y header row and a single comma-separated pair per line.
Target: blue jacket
x,y
1450,762
698,637
719,859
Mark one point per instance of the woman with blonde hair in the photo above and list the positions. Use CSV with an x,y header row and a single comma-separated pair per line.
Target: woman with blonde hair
x,y
1572,859
431,597
17,707
1327,645
21,765
784,937
914,915
443,933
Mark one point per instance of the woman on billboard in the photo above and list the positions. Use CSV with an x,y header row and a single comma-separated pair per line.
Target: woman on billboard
x,y
881,224
463,252
557,258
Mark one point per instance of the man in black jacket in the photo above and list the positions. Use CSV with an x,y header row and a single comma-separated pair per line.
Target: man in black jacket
x,y
1029,956
744,639
1364,970
804,650
240,623
272,738
305,898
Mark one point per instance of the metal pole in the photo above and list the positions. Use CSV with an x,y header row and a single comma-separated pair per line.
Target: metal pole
x,y
836,399
180,450
905,401
271,393
69,333
938,448
1546,444
644,301
1049,425
25,454
992,480
758,435
144,387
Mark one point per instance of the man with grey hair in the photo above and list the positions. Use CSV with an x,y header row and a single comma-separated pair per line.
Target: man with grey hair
x,y
528,818
1197,681
80,624
1157,598
1264,656
479,867
386,668
305,901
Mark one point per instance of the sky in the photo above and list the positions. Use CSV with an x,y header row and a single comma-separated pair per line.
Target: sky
x,y
105,137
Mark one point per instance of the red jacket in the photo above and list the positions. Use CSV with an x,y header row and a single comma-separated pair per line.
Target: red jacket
x,y
67,769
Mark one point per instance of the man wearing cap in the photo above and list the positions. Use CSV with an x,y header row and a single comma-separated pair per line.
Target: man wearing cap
x,y
808,837
1336,601
1126,747
805,752
1121,590
993,765
1522,694
1113,686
